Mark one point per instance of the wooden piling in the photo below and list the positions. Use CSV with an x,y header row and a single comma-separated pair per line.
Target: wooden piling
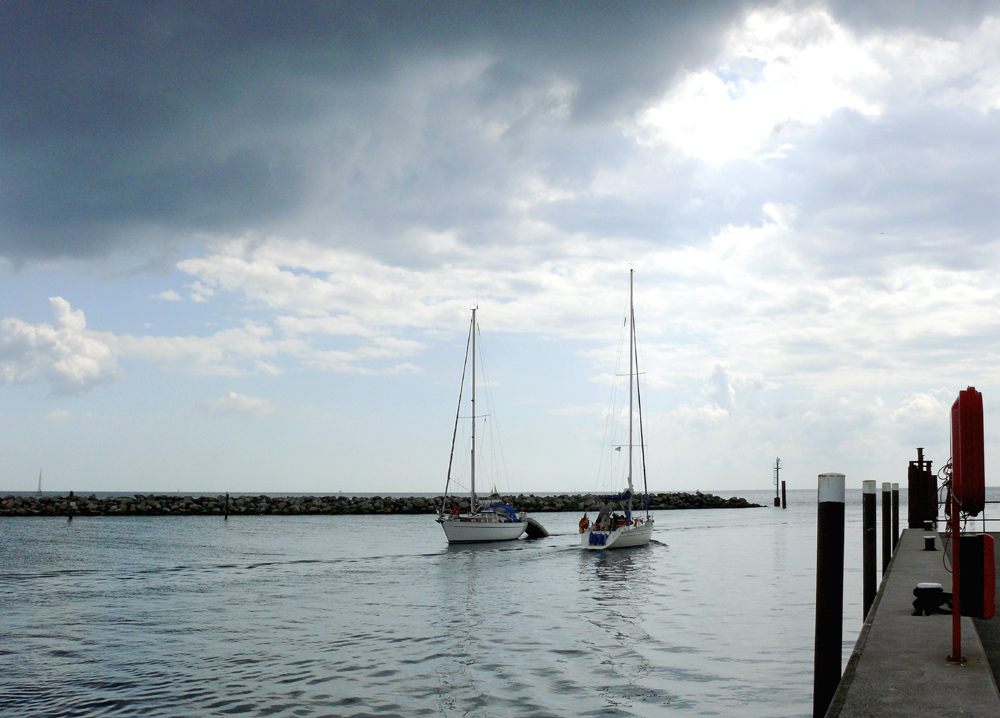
x,y
829,591
784,495
895,516
921,497
886,525
868,548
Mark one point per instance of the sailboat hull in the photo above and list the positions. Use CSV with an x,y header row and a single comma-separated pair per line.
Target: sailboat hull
x,y
623,537
479,529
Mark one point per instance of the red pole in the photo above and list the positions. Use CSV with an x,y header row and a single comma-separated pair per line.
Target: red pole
x,y
956,582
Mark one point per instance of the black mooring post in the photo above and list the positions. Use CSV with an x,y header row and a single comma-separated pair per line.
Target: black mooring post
x,y
226,516
72,505
921,499
829,591
784,496
777,475
895,516
868,570
886,525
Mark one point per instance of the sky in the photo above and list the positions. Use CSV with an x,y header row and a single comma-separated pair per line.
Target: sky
x,y
240,243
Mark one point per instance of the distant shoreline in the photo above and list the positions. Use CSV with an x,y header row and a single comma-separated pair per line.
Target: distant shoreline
x,y
335,504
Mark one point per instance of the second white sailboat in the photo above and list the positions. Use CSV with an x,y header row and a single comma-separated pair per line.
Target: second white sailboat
x,y
616,526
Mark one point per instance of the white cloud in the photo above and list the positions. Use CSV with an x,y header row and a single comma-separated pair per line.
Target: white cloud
x,y
200,293
74,359
233,404
267,368
228,352
923,414
946,72
702,416
69,357
331,291
170,295
59,416
751,293
719,388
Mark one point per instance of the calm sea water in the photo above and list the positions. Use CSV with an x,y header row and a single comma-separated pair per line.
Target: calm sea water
x,y
377,616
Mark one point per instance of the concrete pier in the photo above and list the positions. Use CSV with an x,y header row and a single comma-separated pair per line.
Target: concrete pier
x,y
900,667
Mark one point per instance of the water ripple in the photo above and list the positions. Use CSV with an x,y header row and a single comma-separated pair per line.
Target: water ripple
x,y
273,618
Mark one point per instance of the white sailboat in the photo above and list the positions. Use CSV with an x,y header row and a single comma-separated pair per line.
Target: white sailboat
x,y
616,526
485,520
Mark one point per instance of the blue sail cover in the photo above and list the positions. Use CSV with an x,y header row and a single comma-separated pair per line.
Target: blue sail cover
x,y
507,511
624,496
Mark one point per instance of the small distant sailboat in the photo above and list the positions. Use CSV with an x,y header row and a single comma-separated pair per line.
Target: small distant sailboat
x,y
622,530
39,481
485,520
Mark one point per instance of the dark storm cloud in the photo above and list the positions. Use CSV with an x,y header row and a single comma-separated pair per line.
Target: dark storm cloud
x,y
137,121
145,123
927,16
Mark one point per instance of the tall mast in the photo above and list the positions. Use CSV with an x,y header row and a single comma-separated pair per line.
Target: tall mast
x,y
458,414
472,506
631,335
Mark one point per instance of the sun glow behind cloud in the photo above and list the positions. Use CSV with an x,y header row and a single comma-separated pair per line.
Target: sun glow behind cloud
x,y
778,71
782,72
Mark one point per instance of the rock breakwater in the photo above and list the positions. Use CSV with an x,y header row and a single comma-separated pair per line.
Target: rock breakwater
x,y
173,504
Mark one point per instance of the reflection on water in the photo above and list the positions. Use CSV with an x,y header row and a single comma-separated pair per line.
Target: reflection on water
x,y
619,566
619,586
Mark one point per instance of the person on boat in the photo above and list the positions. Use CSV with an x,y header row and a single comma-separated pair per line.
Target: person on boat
x,y
454,510
604,518
584,522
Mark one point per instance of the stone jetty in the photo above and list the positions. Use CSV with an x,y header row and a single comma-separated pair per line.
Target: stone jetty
x,y
173,504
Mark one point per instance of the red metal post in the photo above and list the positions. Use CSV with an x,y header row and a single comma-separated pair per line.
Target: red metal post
x,y
956,582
